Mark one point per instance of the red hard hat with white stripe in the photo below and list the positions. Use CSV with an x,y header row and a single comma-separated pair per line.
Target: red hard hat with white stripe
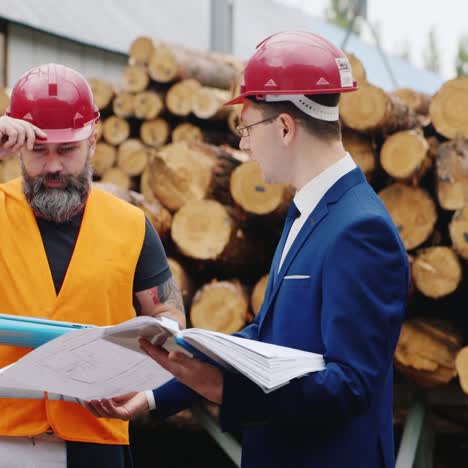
x,y
56,99
289,65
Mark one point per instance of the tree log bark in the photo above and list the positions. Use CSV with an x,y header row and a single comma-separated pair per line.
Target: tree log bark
x,y
452,174
426,352
370,109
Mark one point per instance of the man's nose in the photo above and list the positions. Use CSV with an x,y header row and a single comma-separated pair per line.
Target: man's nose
x,y
53,163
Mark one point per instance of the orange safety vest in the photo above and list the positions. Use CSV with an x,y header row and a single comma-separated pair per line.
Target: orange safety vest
x,y
97,289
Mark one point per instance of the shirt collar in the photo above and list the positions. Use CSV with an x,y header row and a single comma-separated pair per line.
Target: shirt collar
x,y
307,198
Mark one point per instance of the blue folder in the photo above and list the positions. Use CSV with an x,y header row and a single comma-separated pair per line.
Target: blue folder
x,y
32,332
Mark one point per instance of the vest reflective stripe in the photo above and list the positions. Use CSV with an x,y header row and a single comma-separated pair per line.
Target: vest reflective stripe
x,y
98,289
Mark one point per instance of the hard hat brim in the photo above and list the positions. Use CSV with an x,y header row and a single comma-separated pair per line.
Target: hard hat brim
x,y
236,100
67,135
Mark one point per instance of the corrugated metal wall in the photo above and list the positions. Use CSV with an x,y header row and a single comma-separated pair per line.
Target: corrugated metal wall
x,y
28,48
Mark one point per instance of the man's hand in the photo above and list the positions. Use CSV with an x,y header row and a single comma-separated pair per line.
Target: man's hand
x,y
123,407
203,378
16,133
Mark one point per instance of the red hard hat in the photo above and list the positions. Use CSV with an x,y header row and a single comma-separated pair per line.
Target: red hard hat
x,y
56,99
295,62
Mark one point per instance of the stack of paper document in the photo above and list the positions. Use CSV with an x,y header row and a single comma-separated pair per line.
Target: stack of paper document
x,y
102,362
269,366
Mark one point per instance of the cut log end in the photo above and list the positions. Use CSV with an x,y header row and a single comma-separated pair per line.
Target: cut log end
x,y
461,364
202,229
103,92
155,133
187,132
135,78
179,97
360,148
258,294
458,230
426,352
115,130
251,193
436,272
403,154
219,306
104,157
412,211
448,108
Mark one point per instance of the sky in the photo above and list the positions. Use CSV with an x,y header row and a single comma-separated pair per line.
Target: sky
x,y
408,22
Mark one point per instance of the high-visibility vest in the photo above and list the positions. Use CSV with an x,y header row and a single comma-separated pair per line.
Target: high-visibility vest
x,y
97,289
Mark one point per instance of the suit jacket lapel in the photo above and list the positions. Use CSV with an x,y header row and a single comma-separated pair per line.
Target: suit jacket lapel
x,y
321,210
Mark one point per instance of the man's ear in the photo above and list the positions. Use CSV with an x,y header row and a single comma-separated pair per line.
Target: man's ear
x,y
288,127
92,140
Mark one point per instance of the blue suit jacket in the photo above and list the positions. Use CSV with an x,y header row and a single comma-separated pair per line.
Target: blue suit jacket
x,y
350,309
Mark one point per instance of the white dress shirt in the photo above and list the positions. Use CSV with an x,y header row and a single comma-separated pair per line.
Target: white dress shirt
x,y
309,196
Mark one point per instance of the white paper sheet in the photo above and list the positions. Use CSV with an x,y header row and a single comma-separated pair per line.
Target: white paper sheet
x,y
83,364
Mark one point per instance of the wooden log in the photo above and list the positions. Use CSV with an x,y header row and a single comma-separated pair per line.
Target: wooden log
x,y
98,129
135,78
179,173
426,352
132,157
208,103
104,157
115,130
148,105
145,187
413,212
186,132
116,176
123,104
359,72
452,174
461,364
103,92
371,109
436,271
253,195
404,156
220,306
183,280
448,108
258,294
170,63
418,102
458,230
204,230
179,97
155,133
361,149
140,50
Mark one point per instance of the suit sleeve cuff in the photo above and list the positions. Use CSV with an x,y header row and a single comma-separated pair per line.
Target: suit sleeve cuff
x,y
150,398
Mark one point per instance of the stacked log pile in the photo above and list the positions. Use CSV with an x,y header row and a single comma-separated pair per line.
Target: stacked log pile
x,y
167,144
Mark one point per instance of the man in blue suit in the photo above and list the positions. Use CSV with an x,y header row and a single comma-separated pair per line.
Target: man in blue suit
x,y
337,286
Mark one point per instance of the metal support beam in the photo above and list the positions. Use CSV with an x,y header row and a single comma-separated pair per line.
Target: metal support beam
x,y
221,27
227,443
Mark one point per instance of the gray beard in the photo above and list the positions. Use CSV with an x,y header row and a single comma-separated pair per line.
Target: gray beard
x,y
57,204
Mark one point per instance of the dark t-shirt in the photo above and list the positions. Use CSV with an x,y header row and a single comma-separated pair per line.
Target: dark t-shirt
x,y
59,241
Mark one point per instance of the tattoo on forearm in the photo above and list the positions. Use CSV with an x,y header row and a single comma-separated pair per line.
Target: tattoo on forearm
x,y
169,292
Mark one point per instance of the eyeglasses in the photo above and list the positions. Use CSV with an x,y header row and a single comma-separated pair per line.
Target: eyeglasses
x,y
244,131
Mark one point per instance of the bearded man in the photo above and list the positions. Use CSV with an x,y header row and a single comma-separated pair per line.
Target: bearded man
x,y
68,252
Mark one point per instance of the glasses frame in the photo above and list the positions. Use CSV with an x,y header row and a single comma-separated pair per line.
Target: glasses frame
x,y
243,131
